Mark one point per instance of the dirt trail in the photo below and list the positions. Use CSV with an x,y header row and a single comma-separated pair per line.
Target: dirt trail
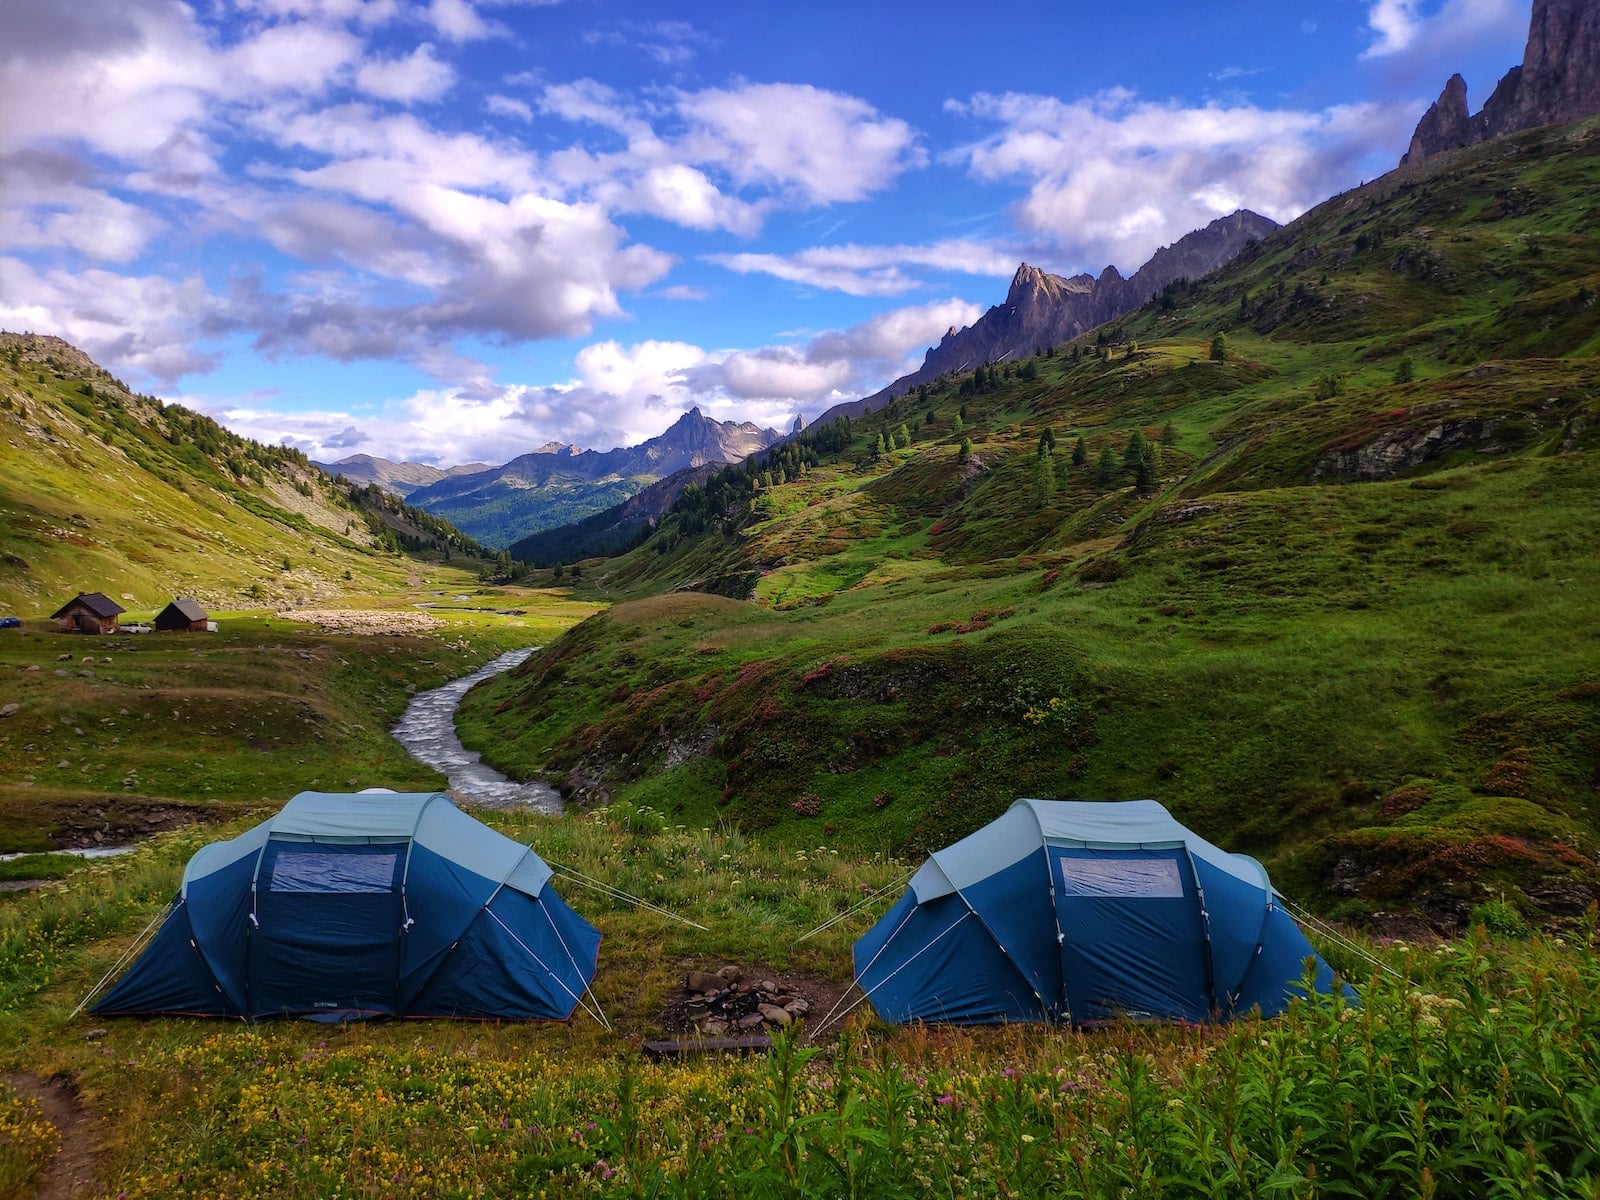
x,y
71,1174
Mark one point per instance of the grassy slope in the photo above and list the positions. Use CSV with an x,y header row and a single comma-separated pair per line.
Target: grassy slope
x,y
104,490
1389,688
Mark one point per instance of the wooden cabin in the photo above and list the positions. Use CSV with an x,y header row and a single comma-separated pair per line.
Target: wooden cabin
x,y
88,612
183,615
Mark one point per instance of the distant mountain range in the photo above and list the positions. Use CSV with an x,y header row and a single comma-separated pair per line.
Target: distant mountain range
x,y
557,484
1040,310
400,478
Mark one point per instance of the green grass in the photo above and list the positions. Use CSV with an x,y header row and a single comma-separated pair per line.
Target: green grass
x,y
125,735
106,490
1467,1071
1342,587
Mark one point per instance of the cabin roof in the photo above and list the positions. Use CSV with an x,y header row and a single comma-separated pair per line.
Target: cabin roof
x,y
100,604
188,607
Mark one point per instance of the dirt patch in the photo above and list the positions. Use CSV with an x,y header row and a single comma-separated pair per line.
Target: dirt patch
x,y
121,821
71,1172
824,996
339,620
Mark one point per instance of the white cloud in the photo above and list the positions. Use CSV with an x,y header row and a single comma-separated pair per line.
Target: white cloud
x,y
838,365
1396,23
359,12
459,21
668,43
822,146
144,324
872,270
795,146
303,58
1112,177
509,106
619,395
1401,27
417,76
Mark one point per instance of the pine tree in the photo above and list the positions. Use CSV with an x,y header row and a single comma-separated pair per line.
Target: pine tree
x,y
1044,481
1080,452
1219,348
1108,466
1134,450
965,452
1169,434
1146,471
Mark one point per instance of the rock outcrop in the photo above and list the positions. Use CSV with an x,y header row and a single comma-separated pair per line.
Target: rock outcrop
x,y
1558,81
1043,310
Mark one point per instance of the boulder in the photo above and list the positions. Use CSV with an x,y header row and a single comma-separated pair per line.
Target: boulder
x,y
772,1013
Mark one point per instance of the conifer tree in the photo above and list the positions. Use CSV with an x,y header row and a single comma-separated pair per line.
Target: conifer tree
x,y
1108,466
1080,452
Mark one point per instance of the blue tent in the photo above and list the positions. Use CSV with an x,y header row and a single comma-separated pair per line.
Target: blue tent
x,y
1084,912
343,907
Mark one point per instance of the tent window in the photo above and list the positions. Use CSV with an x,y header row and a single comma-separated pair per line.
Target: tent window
x,y
320,871
1152,878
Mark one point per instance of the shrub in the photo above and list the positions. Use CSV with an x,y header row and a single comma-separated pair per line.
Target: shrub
x,y
1500,918
808,805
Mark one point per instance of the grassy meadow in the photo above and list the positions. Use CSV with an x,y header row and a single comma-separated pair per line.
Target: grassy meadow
x,y
1304,550
125,735
1467,1069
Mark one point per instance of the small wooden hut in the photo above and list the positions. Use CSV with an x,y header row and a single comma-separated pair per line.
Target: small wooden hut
x,y
183,615
88,612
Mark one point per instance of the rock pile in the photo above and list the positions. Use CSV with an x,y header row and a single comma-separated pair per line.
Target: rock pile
x,y
722,1003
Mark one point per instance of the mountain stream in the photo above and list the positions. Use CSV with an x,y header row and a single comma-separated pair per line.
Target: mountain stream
x,y
428,732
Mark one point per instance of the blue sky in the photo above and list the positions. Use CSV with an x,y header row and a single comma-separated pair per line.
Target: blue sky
x,y
455,230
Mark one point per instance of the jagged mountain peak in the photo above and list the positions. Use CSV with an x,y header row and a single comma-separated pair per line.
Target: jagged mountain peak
x,y
1042,309
1558,81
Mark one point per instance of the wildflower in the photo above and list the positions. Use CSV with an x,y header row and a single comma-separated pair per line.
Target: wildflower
x,y
945,1100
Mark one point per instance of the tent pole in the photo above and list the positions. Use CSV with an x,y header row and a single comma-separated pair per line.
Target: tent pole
x,y
577,998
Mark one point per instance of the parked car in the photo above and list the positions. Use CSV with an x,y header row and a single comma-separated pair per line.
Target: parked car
x,y
10,622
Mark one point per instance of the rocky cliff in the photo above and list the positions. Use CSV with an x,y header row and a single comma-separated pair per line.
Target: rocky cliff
x,y
1558,81
1043,310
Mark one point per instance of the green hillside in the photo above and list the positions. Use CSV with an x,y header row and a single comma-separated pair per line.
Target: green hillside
x,y
107,490
1304,550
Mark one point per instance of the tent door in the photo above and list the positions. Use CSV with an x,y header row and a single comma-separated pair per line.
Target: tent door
x,y
328,941
1133,940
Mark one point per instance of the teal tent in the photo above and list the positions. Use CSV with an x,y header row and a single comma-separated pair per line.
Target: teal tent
x,y
1084,912
348,906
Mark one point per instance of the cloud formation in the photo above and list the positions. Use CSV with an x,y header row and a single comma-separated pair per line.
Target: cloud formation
x,y
1112,177
618,395
1402,26
873,270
